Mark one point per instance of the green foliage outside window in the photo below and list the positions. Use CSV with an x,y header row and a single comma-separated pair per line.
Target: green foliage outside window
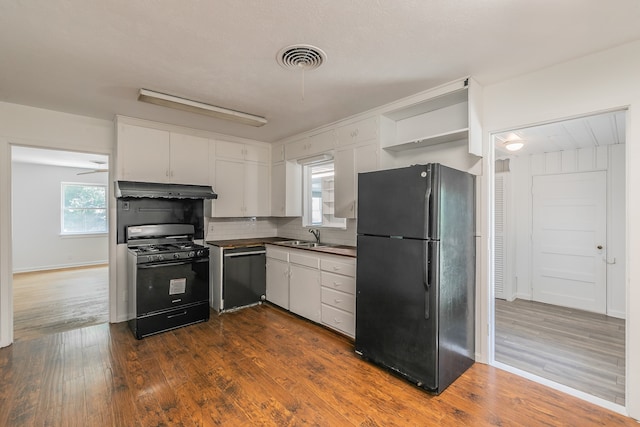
x,y
84,208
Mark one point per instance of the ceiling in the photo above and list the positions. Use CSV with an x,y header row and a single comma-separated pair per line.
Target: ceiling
x,y
91,58
583,132
70,159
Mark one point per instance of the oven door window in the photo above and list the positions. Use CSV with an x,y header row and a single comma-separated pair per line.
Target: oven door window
x,y
165,285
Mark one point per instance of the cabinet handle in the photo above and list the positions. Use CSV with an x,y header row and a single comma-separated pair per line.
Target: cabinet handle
x,y
336,268
337,300
337,284
336,320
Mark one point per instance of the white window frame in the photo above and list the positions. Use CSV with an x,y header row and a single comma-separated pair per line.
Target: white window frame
x,y
339,223
63,185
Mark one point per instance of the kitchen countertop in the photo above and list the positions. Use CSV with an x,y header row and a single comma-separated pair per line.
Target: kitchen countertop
x,y
244,243
343,250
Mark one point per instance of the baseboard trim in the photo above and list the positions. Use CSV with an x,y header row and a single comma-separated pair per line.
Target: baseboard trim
x,y
61,267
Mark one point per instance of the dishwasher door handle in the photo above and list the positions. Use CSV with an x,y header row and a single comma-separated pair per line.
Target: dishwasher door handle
x,y
233,254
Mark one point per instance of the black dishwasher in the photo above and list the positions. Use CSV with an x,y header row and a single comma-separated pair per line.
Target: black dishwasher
x,y
243,277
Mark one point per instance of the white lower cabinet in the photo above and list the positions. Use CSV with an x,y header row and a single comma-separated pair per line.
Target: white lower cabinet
x,y
316,286
304,291
338,290
278,277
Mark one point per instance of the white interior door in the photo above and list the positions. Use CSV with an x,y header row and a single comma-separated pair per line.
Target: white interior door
x,y
568,240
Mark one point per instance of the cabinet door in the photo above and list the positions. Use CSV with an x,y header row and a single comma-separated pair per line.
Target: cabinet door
x,y
305,298
256,153
143,154
230,150
257,201
189,159
297,149
278,189
321,142
345,192
229,186
278,282
286,189
361,131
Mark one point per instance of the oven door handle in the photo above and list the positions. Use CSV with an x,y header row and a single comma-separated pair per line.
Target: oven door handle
x,y
171,264
232,254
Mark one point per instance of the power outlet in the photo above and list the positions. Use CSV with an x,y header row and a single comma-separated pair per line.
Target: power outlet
x,y
211,227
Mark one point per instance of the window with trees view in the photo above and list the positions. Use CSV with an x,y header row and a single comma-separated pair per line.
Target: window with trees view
x,y
84,208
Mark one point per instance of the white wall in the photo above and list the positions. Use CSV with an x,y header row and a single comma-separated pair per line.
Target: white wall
x,y
37,243
609,159
36,127
604,81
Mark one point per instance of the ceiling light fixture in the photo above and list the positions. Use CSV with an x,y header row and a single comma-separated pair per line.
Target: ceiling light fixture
x,y
513,145
178,103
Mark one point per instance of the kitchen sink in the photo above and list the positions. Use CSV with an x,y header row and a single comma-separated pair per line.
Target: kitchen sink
x,y
303,244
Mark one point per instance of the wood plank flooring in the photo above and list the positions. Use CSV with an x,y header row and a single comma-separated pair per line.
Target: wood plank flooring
x,y
256,366
580,349
46,302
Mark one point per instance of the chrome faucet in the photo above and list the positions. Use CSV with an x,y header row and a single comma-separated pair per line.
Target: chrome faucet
x,y
316,234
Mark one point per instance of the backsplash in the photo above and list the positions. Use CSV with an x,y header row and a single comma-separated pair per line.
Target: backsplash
x,y
240,228
291,228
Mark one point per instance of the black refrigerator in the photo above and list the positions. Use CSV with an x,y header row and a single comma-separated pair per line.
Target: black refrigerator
x,y
415,277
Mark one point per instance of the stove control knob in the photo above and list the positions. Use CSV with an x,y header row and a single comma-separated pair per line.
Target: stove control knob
x,y
159,257
200,252
176,255
191,254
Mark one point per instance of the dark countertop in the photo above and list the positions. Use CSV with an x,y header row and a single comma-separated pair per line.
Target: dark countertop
x,y
343,250
245,243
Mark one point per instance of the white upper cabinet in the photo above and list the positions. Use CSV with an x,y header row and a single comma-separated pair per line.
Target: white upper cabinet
x,y
450,113
361,131
189,159
143,154
286,189
319,143
349,162
242,188
154,155
239,151
242,180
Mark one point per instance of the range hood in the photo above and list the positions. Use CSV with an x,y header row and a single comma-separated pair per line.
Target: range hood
x,y
133,189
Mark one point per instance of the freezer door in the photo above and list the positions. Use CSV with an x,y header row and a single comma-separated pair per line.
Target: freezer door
x,y
396,300
395,202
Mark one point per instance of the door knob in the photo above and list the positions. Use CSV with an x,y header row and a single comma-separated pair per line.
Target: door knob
x,y
599,247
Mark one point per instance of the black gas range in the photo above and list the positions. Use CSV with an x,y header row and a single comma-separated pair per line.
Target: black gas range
x,y
168,277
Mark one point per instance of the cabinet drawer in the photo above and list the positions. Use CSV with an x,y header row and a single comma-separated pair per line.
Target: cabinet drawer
x,y
339,267
296,257
170,319
339,282
277,254
338,319
339,300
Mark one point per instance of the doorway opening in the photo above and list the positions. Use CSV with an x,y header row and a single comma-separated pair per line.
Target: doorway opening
x,y
559,253
60,240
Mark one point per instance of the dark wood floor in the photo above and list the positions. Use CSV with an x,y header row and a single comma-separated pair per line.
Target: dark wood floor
x,y
582,350
257,366
46,302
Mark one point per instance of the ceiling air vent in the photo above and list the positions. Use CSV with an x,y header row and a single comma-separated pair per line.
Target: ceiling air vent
x,y
301,56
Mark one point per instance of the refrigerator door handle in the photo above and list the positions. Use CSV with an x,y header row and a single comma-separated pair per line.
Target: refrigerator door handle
x,y
426,280
427,206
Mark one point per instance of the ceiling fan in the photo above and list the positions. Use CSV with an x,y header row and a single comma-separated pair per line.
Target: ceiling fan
x,y
98,170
